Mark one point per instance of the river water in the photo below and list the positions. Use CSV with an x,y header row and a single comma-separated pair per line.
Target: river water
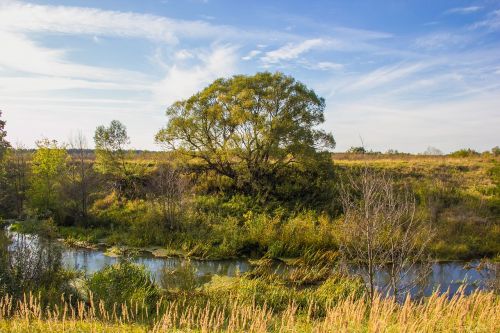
x,y
443,276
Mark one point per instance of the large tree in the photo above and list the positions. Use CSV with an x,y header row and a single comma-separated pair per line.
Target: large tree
x,y
249,128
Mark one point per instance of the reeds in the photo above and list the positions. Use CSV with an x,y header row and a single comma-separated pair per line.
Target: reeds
x,y
478,312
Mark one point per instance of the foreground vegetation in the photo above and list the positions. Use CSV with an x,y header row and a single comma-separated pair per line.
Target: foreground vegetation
x,y
479,312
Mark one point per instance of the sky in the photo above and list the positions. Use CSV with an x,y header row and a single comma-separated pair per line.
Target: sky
x,y
395,74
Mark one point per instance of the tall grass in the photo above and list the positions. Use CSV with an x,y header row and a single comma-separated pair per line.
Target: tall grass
x,y
478,312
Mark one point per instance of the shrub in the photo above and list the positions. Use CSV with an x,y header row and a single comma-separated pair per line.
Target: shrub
x,y
464,153
338,288
248,291
124,282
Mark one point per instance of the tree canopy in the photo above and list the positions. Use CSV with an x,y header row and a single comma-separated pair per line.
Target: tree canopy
x,y
249,128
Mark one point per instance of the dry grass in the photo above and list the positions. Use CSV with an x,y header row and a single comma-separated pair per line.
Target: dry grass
x,y
479,312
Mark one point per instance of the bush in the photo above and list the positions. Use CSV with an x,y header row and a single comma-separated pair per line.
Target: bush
x,y
464,153
122,283
33,265
338,288
223,288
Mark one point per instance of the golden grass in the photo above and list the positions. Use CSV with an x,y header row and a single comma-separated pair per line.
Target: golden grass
x,y
478,312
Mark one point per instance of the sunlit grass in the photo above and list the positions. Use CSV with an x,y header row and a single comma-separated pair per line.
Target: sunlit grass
x,y
478,312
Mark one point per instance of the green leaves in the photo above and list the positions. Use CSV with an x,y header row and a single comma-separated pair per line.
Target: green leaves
x,y
110,143
49,166
248,128
4,144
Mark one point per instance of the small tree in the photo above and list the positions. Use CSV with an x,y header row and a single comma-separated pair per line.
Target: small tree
x,y
112,158
381,230
48,175
110,149
495,151
433,151
167,189
81,175
17,174
357,150
4,144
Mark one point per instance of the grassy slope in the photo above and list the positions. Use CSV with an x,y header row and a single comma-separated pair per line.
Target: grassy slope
x,y
462,196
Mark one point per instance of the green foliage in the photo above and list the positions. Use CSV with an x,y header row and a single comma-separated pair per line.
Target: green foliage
x,y
110,145
25,268
113,160
278,295
464,153
495,151
337,288
4,144
357,150
49,166
248,128
124,282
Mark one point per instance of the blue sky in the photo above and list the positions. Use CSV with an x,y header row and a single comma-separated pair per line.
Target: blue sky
x,y
400,75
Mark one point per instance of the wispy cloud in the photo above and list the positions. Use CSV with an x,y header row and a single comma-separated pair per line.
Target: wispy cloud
x,y
374,81
23,55
292,50
441,40
23,17
492,22
183,81
383,76
252,54
464,10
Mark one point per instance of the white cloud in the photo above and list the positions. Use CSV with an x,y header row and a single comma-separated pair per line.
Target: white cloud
x,y
23,55
464,10
491,23
183,54
441,40
391,123
22,17
181,82
292,51
327,65
252,54
381,77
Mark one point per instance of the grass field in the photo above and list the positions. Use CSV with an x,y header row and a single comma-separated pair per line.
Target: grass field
x,y
461,196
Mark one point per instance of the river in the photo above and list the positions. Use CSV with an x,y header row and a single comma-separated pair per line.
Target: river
x,y
443,276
